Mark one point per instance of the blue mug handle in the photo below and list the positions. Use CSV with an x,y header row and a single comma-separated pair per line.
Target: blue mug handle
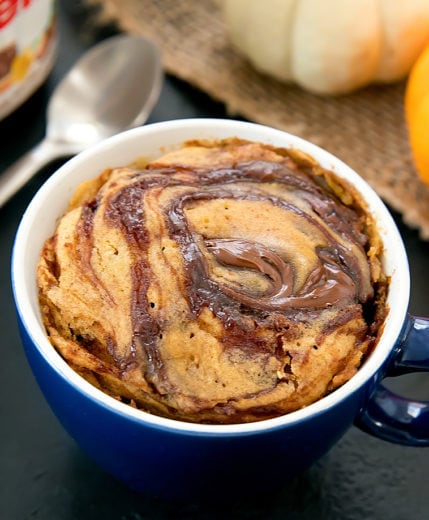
x,y
390,416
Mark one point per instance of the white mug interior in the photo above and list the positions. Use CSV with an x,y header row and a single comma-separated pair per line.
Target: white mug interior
x,y
40,218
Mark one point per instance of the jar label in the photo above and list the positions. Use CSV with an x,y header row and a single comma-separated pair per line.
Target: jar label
x,y
27,47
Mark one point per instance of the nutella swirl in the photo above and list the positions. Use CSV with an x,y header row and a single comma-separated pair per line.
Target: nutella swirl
x,y
340,275
326,285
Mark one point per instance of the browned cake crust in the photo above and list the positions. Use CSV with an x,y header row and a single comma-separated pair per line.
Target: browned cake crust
x,y
224,282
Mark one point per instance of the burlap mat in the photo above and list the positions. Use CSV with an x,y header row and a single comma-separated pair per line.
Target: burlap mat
x,y
365,129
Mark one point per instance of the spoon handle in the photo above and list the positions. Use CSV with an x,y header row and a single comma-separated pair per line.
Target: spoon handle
x,y
20,172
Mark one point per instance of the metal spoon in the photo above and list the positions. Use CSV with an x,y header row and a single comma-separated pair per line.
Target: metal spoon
x,y
112,87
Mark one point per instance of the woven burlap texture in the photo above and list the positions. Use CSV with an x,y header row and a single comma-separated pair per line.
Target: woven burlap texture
x,y
365,129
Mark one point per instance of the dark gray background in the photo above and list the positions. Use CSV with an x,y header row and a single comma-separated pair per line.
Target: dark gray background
x,y
44,474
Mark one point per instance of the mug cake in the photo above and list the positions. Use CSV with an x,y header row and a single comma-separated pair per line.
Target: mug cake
x,y
224,282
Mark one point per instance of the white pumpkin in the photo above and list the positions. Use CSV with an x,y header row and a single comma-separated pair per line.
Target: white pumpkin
x,y
329,46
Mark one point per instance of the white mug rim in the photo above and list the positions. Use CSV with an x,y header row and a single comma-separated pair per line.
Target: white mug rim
x,y
396,262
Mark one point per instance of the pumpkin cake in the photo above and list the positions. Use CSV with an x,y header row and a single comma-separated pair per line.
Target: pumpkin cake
x,y
224,282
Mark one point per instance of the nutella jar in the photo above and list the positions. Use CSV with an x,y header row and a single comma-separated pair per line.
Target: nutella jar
x,y
27,49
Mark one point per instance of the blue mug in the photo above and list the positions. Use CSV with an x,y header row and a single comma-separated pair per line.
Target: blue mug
x,y
171,458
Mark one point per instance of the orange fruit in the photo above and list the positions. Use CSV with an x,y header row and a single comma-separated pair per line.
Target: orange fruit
x,y
417,113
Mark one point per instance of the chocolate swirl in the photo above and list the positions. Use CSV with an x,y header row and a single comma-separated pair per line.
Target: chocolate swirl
x,y
326,285
222,283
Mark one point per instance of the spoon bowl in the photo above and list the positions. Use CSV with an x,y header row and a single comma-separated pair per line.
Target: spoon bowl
x,y
112,87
